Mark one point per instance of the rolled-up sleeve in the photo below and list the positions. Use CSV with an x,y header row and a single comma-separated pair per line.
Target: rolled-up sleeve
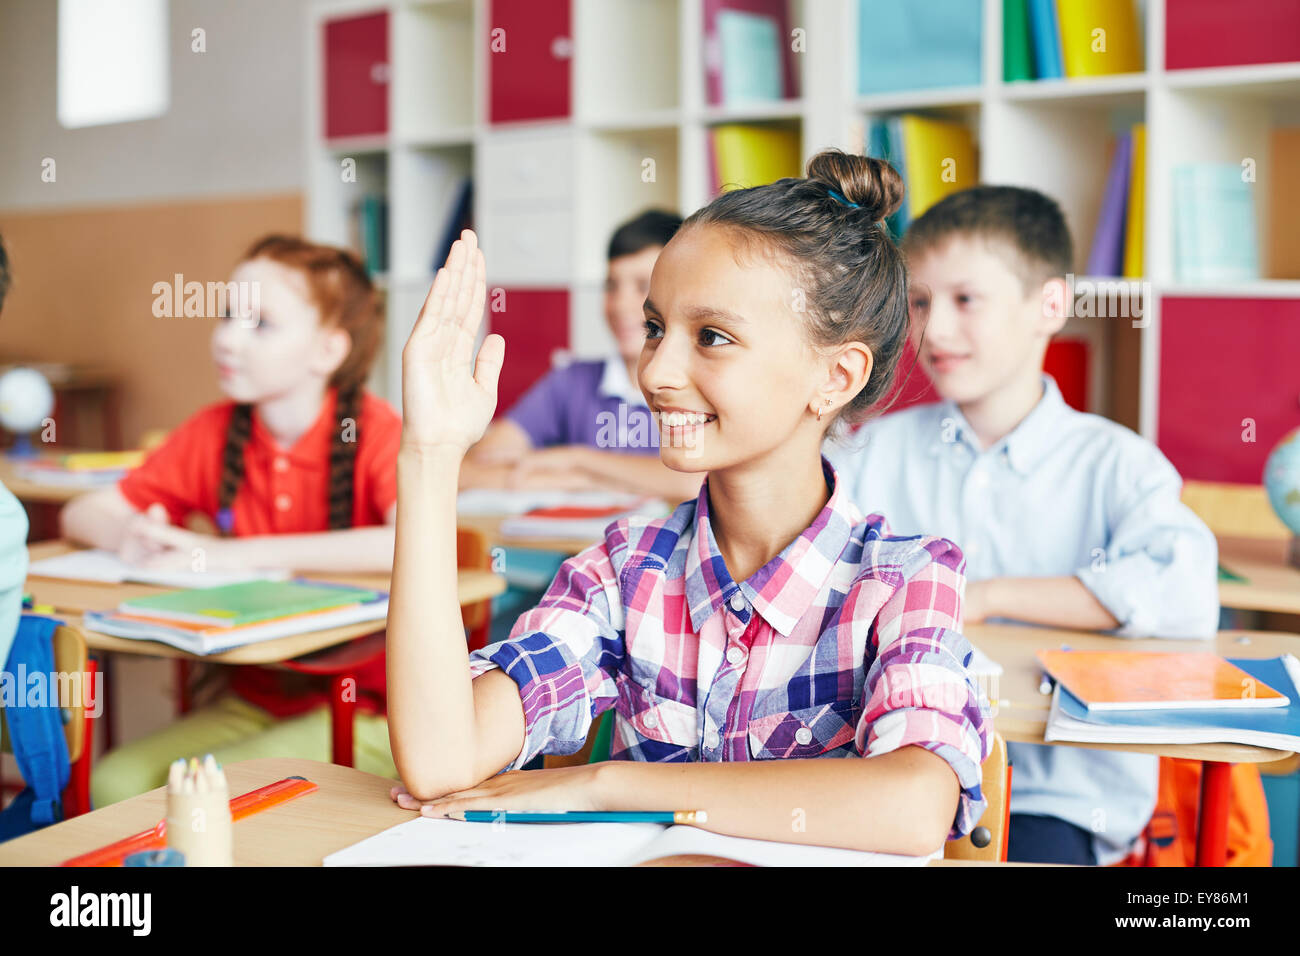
x,y
563,654
918,690
1158,574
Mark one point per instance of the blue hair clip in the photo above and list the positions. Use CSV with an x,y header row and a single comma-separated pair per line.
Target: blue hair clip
x,y
841,200
226,520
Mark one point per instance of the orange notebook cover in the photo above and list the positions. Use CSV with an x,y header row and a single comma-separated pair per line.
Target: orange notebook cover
x,y
1136,680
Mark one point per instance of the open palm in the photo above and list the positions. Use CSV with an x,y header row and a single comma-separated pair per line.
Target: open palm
x,y
447,397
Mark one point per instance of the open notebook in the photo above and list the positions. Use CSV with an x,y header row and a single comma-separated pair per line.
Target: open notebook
x,y
425,841
105,567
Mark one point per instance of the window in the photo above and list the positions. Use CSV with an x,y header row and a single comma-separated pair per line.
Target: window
x,y
112,61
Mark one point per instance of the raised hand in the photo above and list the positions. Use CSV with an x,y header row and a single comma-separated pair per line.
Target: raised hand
x,y
447,397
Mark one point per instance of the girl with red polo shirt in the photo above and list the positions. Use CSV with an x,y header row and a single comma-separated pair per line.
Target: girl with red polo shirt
x,y
297,469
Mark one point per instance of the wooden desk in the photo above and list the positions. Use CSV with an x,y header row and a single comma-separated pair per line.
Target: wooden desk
x,y
349,807
73,598
1271,583
1021,717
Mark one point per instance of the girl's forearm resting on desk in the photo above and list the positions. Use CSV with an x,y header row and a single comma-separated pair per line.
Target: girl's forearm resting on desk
x,y
352,549
899,802
1053,602
447,732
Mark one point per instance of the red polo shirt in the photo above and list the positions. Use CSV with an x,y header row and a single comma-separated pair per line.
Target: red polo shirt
x,y
283,492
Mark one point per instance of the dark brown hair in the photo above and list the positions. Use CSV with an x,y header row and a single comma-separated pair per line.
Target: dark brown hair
x,y
1034,237
346,298
828,227
652,228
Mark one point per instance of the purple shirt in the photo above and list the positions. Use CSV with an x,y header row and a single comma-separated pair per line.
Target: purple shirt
x,y
587,403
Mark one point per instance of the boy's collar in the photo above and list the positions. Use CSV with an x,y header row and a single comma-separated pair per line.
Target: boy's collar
x,y
1027,442
615,383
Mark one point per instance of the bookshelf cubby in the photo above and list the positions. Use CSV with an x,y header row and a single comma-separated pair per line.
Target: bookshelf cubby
x,y
549,189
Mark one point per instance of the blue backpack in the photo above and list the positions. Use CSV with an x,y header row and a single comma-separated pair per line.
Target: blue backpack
x,y
35,733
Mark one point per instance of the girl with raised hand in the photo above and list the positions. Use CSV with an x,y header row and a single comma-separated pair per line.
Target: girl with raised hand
x,y
761,626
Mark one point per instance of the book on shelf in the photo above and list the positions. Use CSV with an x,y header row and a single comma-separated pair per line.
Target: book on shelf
x,y
934,157
458,215
370,230
1107,256
1135,214
1284,197
1017,45
1099,37
429,841
1138,680
1214,224
1070,721
1046,35
747,52
916,46
746,155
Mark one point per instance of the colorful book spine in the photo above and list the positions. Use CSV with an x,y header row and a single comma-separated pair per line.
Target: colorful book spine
x,y
1214,224
1135,222
1047,39
1107,257
1017,45
1099,37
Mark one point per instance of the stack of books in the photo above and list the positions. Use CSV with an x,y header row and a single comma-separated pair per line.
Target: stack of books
x,y
748,55
79,470
1050,39
577,521
211,620
1172,698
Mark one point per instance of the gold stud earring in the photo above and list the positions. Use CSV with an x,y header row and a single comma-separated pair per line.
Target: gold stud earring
x,y
819,411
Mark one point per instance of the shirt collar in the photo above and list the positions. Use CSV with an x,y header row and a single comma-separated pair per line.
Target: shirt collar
x,y
783,589
313,446
615,383
1025,446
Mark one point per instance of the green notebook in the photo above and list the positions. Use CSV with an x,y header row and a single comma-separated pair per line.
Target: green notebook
x,y
233,605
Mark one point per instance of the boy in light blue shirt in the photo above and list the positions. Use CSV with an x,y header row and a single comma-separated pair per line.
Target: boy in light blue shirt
x,y
1066,519
13,533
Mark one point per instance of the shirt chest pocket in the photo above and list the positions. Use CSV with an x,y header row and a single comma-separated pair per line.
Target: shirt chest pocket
x,y
654,717
826,730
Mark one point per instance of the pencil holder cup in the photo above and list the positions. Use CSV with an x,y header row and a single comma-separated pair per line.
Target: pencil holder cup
x,y
198,814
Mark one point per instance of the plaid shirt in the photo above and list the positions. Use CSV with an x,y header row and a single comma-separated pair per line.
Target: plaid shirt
x,y
844,644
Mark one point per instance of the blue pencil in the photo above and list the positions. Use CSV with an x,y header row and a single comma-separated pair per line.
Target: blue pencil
x,y
581,816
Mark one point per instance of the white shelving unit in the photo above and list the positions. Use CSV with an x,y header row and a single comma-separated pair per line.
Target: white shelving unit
x,y
547,194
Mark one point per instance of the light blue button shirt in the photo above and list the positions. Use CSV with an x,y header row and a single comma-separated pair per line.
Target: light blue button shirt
x,y
13,568
1064,493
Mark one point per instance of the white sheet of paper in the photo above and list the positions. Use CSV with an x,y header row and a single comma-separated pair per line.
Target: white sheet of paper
x,y
96,564
425,841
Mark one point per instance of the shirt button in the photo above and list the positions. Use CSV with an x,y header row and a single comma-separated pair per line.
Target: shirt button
x,y
281,464
738,602
735,655
283,502
803,735
650,720
711,740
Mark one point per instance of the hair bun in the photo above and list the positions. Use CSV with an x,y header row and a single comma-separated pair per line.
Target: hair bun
x,y
871,183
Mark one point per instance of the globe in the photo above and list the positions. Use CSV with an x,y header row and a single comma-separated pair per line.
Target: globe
x,y
1282,480
26,400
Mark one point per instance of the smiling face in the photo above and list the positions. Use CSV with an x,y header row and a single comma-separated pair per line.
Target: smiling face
x,y
280,348
984,331
627,283
726,367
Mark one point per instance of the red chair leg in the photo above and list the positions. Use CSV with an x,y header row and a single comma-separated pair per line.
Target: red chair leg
x,y
183,685
343,705
1212,827
76,796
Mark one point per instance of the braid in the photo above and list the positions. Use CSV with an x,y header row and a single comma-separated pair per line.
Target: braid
x,y
232,466
343,456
